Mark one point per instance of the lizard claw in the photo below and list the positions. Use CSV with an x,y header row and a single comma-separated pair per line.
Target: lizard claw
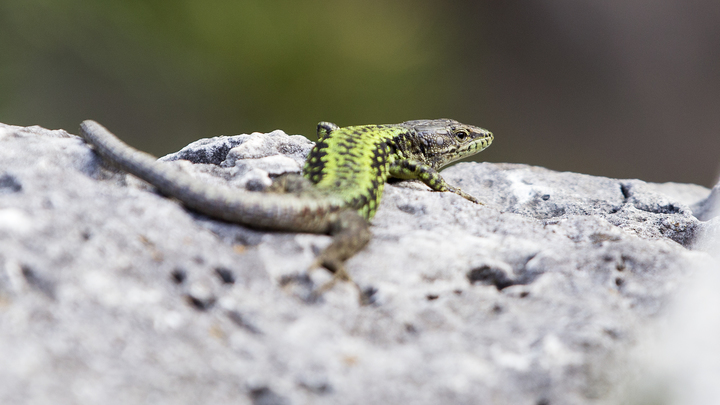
x,y
365,296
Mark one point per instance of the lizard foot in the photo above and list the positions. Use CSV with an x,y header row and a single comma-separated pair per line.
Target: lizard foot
x,y
465,195
365,296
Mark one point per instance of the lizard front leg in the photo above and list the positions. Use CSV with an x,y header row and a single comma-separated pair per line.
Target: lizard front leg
x,y
412,169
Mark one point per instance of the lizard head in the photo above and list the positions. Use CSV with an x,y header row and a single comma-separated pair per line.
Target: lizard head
x,y
444,141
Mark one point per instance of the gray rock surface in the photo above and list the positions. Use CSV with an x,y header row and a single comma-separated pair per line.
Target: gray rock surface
x,y
708,208
112,294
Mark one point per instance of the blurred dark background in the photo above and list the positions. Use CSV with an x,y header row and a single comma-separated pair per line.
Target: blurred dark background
x,y
619,88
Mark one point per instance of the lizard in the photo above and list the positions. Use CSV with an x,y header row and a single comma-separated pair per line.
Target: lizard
x,y
340,188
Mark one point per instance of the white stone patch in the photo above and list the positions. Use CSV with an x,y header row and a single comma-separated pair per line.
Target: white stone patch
x,y
277,164
257,176
507,359
5,132
520,189
463,370
557,354
15,220
255,147
170,320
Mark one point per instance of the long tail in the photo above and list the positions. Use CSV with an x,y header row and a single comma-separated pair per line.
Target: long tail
x,y
257,210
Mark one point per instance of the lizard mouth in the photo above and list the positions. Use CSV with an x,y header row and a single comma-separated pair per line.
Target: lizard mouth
x,y
476,146
464,151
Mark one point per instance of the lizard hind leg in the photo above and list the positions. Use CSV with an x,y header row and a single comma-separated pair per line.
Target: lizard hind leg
x,y
350,232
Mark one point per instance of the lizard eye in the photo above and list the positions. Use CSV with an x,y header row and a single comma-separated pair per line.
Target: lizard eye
x,y
461,134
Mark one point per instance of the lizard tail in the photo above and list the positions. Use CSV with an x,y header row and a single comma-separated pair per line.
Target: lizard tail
x,y
258,210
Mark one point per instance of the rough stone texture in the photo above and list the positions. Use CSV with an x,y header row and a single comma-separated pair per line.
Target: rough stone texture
x,y
112,294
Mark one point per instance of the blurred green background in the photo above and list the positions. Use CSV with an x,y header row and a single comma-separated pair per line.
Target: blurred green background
x,y
615,88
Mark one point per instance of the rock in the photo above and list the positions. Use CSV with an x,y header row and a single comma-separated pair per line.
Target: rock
x,y
110,293
708,208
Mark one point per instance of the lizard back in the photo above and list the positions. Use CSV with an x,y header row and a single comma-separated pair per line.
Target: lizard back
x,y
353,163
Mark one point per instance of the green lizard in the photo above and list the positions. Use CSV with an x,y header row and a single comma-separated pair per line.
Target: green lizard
x,y
346,169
